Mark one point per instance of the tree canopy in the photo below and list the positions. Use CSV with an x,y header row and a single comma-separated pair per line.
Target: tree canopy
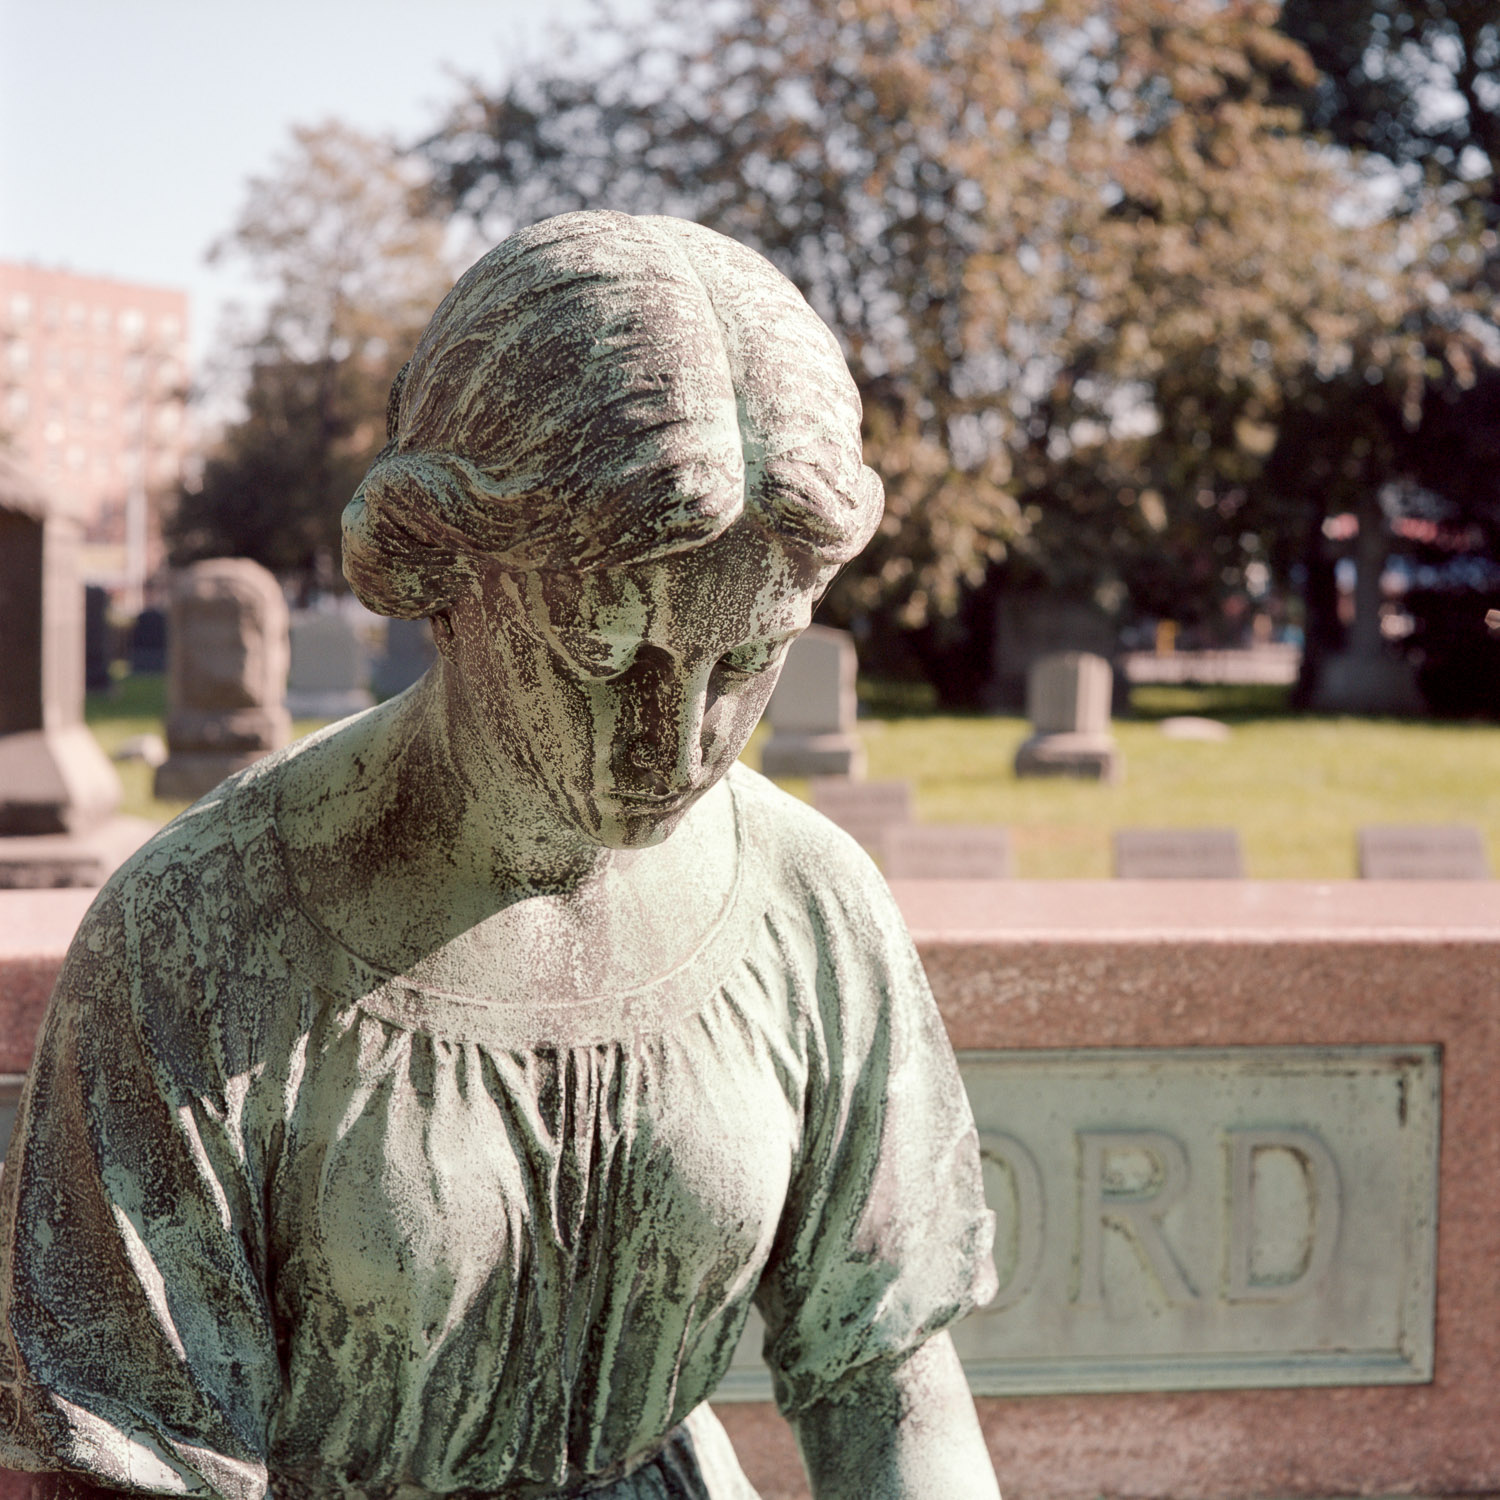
x,y
341,233
1416,82
1084,259
1121,285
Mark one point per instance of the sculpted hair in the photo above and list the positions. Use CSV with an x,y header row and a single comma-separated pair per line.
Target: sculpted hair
x,y
602,390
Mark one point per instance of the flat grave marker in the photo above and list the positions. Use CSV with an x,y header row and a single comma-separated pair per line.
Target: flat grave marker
x,y
1178,854
864,809
1422,851
940,851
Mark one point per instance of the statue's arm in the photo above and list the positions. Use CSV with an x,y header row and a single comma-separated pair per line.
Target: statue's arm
x,y
899,1432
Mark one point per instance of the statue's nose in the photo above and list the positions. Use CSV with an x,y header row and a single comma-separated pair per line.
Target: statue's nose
x,y
663,729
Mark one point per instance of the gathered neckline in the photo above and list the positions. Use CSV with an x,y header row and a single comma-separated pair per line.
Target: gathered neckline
x,y
320,957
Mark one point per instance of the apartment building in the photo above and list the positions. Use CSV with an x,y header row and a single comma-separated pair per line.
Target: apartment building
x,y
93,382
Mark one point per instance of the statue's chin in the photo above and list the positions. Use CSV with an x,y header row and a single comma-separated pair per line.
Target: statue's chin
x,y
625,827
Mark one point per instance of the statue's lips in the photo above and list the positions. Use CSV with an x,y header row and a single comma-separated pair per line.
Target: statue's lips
x,y
652,802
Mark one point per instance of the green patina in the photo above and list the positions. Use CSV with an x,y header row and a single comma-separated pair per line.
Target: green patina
x,y
424,1110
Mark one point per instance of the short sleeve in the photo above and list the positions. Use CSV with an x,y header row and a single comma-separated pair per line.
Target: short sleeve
x,y
885,1239
137,1348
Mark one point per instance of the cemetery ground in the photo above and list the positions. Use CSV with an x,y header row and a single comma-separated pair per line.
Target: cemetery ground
x,y
1297,787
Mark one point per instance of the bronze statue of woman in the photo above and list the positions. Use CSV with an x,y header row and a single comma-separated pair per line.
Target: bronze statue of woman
x,y
423,1111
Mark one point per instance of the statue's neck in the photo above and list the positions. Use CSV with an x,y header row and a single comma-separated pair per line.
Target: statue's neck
x,y
484,820
430,863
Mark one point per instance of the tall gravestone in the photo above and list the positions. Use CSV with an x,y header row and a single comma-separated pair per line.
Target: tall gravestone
x,y
98,640
227,669
409,651
1032,625
1068,699
58,791
330,667
812,711
148,641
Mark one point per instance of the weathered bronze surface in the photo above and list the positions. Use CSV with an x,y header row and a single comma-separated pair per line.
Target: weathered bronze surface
x,y
425,1109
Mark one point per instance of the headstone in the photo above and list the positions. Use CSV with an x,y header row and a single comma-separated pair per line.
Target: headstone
x,y
1422,851
148,641
1032,625
58,791
864,809
940,851
813,709
409,651
330,668
1349,682
1068,702
227,676
1178,854
98,640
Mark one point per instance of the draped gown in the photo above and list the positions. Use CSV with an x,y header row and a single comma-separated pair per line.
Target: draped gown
x,y
275,1222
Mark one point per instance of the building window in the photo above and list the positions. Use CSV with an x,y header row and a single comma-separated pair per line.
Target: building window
x,y
20,308
132,324
19,357
77,315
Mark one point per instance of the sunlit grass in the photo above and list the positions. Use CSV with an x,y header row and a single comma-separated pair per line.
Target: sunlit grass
x,y
1297,788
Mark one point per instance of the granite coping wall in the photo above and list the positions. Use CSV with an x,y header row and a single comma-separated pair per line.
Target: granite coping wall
x,y
1022,966
1214,964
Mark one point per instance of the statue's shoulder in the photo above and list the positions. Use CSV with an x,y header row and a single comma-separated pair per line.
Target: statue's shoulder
x,y
184,901
801,846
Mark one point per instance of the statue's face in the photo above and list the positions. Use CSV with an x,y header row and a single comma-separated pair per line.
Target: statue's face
x,y
624,695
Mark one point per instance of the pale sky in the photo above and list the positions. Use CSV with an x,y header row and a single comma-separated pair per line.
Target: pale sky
x,y
128,127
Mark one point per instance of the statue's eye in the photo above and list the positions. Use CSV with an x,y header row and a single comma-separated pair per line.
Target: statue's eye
x,y
595,656
753,658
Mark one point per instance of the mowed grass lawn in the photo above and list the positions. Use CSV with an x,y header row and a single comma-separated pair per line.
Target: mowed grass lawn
x,y
1296,788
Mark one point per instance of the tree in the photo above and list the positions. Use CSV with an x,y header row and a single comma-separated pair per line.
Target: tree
x,y
1080,256
1416,82
356,264
1413,88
